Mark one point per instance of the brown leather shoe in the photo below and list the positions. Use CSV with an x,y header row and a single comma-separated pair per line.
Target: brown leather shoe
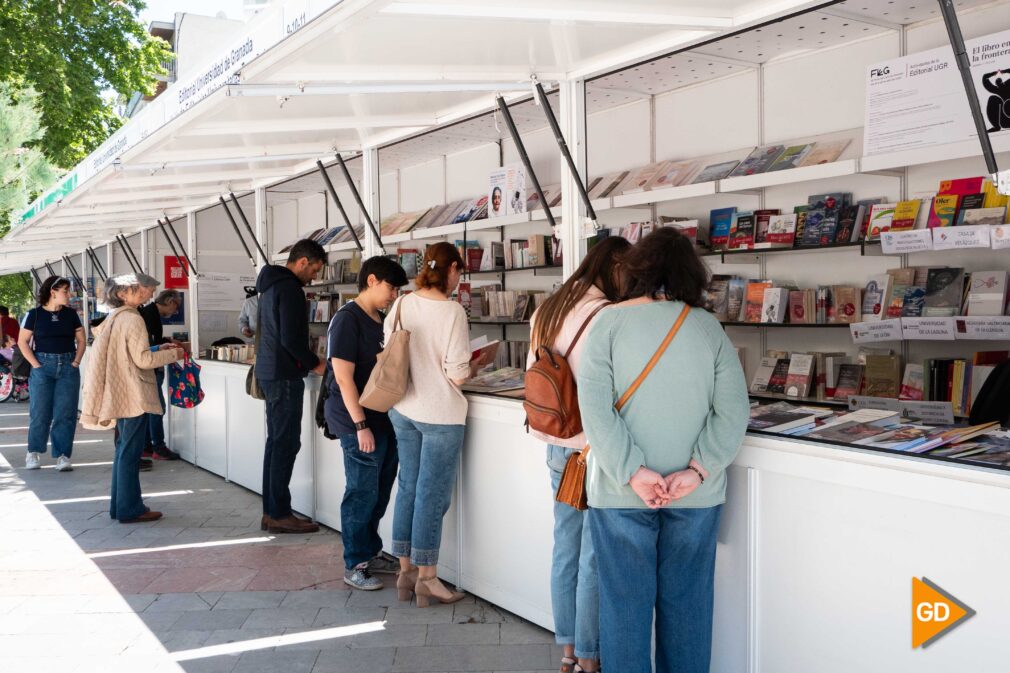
x,y
290,524
149,515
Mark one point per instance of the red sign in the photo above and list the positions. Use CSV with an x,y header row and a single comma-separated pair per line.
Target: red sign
x,y
176,276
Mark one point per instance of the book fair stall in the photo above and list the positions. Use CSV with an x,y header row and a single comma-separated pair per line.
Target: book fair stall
x,y
823,156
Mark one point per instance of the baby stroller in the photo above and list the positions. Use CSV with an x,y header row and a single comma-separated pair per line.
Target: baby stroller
x,y
14,371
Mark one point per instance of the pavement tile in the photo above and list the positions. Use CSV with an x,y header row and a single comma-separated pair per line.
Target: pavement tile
x,y
521,633
463,634
434,614
251,600
178,602
294,661
281,618
453,658
310,598
348,616
209,620
344,660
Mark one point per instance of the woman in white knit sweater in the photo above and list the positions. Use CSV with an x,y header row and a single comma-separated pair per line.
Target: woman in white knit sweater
x,y
430,420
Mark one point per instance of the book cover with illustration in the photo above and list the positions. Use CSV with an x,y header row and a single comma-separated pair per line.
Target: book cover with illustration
x,y
944,286
758,161
742,231
781,230
606,184
673,174
881,216
720,227
792,157
825,152
715,172
905,215
942,211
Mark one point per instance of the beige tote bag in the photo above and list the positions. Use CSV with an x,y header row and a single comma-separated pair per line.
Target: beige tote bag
x,y
388,382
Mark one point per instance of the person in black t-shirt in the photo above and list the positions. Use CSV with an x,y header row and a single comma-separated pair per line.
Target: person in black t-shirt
x,y
165,304
52,340
370,458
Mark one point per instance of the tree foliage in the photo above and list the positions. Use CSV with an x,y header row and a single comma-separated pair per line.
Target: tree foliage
x,y
73,52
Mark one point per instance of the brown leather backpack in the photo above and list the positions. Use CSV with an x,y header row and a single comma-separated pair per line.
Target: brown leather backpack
x,y
552,402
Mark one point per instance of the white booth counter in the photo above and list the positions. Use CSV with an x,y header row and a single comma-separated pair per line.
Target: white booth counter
x,y
817,548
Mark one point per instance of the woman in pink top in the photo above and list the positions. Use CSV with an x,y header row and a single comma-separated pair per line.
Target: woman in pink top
x,y
574,593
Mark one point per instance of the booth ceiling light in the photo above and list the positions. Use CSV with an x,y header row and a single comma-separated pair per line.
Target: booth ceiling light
x,y
547,13
155,165
336,89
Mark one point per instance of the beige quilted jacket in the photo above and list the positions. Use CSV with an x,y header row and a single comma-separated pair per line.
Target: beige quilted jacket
x,y
119,381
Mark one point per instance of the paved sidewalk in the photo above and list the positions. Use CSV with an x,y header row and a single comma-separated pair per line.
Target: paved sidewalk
x,y
204,590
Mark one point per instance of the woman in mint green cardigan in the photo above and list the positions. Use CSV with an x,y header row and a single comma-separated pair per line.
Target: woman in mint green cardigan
x,y
657,468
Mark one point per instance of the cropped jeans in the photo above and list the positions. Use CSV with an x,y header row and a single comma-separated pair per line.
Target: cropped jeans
x,y
52,408
429,455
575,595
658,561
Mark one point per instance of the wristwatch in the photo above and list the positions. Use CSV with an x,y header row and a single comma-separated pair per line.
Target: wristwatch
x,y
361,425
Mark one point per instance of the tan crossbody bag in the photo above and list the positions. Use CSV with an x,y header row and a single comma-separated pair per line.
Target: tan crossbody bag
x,y
387,383
572,487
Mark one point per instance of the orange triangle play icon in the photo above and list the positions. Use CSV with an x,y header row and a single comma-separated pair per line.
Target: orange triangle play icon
x,y
934,612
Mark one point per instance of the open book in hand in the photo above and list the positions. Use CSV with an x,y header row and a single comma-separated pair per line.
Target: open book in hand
x,y
483,350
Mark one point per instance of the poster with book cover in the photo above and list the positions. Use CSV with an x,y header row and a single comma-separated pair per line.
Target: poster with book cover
x,y
792,157
825,152
919,101
715,172
674,174
507,191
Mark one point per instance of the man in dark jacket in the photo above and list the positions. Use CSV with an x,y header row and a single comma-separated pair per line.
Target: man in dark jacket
x,y
166,304
283,360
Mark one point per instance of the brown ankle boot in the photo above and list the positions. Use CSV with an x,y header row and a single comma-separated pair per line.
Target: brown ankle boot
x,y
405,581
426,590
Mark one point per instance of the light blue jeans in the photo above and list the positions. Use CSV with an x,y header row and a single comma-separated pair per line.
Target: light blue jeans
x,y
429,455
575,596
656,562
52,408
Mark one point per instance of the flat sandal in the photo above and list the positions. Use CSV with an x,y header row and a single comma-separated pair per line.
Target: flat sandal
x,y
568,665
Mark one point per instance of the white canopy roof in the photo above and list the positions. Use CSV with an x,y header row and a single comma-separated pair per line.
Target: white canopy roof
x,y
314,77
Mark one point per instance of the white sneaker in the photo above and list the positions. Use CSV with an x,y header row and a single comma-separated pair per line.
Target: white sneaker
x,y
33,460
63,464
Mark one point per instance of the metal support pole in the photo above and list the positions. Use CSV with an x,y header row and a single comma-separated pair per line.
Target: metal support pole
x,y
178,241
964,66
245,221
340,206
234,224
128,253
98,264
136,260
35,274
171,245
361,204
521,148
28,285
73,271
563,146
52,272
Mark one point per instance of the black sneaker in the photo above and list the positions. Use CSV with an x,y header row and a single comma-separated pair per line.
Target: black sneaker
x,y
164,453
146,464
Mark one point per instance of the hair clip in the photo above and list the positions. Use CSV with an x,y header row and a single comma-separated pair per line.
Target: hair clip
x,y
431,264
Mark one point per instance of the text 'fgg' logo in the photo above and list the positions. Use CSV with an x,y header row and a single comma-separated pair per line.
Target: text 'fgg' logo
x,y
880,72
935,612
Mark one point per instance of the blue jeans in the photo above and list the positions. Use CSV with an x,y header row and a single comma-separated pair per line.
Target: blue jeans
x,y
575,594
155,427
126,502
662,560
370,478
284,402
55,388
429,455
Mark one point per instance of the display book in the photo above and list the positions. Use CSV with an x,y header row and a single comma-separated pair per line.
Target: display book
x,y
832,219
982,444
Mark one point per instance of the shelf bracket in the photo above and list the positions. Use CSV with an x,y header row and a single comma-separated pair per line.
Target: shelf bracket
x,y
245,221
340,206
521,148
559,137
234,224
964,67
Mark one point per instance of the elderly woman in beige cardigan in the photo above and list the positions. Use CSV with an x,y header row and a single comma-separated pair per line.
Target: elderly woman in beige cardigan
x,y
120,388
